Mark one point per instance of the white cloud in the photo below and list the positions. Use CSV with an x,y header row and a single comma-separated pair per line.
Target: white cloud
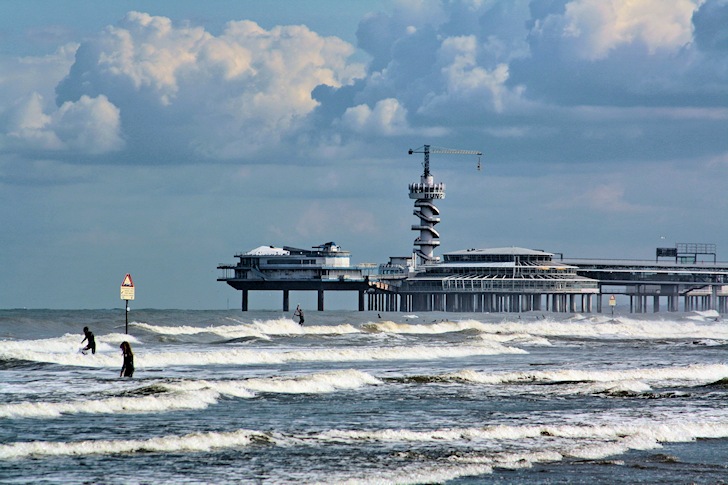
x,y
465,81
223,96
88,126
599,26
148,52
387,118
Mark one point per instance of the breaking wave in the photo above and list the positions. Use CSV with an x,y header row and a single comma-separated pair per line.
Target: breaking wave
x,y
193,394
242,356
635,380
259,329
505,446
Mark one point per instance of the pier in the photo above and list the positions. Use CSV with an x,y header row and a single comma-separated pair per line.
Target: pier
x,y
686,277
659,286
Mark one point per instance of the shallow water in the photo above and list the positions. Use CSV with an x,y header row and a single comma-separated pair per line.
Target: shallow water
x,y
231,397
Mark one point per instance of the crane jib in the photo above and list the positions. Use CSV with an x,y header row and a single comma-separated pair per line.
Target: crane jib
x,y
427,149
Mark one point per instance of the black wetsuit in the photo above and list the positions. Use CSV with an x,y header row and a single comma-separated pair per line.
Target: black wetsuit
x,y
91,342
128,368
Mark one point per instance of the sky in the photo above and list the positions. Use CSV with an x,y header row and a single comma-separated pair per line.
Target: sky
x,y
162,138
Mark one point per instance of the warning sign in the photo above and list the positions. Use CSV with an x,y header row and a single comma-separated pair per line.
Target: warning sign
x,y
127,288
612,301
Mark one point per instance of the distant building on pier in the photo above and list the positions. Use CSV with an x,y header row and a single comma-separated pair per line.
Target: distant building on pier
x,y
482,280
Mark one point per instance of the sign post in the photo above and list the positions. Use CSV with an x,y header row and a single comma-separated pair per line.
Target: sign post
x,y
612,303
127,293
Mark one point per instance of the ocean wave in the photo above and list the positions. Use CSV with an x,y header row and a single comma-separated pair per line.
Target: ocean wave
x,y
684,375
337,354
259,329
63,345
446,326
239,356
191,443
190,394
13,364
147,404
597,326
602,327
536,442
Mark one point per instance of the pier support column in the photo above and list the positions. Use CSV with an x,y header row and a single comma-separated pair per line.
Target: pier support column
x,y
285,300
320,300
244,303
361,300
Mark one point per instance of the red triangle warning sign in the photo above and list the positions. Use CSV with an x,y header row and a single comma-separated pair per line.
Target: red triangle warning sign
x,y
128,281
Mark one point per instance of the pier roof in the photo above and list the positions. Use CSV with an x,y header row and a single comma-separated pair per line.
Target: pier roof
x,y
510,251
267,251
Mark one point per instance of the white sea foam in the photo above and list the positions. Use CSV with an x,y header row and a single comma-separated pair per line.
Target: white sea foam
x,y
510,446
646,432
601,327
706,315
242,356
193,394
196,442
144,404
237,356
586,441
63,344
445,326
258,329
316,383
684,375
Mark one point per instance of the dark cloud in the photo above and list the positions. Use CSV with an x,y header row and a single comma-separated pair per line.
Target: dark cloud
x,y
711,27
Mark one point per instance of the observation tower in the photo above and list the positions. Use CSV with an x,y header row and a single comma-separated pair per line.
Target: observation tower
x,y
424,193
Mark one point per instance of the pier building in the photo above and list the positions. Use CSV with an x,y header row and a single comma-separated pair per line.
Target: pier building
x,y
491,280
659,285
484,280
323,268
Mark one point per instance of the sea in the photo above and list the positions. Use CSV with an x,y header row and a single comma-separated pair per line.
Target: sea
x,y
229,397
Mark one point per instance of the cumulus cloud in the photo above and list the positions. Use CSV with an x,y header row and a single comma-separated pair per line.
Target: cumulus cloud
x,y
621,53
88,126
387,118
599,26
222,96
171,92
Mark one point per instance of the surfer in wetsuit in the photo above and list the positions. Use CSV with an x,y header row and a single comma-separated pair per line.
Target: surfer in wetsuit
x,y
127,368
299,313
91,344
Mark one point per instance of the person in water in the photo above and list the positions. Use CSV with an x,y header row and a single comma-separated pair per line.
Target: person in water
x,y
299,313
127,368
90,341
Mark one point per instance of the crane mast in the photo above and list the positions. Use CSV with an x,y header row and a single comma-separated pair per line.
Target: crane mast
x,y
423,194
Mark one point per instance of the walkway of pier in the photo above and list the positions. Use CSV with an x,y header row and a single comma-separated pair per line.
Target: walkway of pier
x,y
646,285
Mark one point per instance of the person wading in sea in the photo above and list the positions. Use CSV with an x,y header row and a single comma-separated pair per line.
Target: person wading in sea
x,y
299,313
127,368
91,344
